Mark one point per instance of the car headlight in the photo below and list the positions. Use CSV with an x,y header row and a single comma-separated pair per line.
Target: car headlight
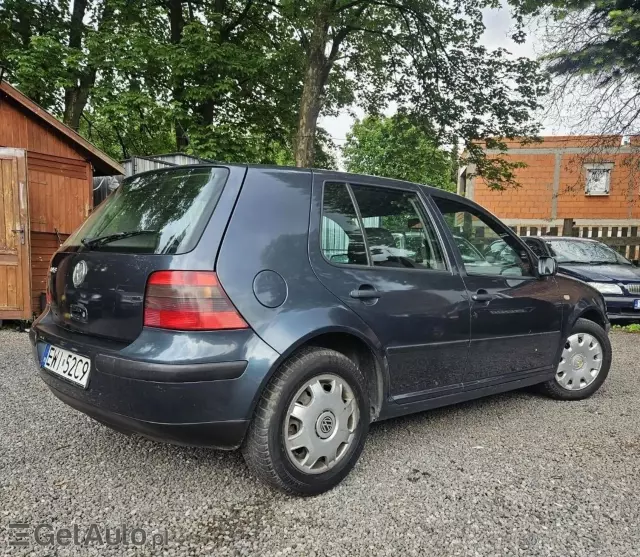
x,y
606,287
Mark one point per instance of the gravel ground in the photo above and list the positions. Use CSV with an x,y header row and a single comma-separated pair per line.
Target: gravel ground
x,y
514,474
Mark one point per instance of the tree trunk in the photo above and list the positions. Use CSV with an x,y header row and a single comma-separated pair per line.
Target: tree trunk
x,y
176,21
77,96
73,97
73,107
315,81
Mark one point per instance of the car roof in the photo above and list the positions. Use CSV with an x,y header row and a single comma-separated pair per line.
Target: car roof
x,y
334,174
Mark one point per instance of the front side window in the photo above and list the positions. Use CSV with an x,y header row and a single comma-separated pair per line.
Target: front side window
x,y
486,248
397,232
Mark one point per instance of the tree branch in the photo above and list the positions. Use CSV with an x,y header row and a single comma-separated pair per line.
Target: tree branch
x,y
227,29
349,5
343,34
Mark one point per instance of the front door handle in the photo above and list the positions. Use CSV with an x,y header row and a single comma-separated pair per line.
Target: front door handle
x,y
365,292
482,296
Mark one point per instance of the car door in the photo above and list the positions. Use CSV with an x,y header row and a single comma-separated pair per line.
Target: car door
x,y
374,246
515,315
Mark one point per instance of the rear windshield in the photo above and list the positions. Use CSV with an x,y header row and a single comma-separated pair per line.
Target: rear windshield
x,y
161,212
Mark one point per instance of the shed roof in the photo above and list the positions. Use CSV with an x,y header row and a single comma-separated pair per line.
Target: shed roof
x,y
102,162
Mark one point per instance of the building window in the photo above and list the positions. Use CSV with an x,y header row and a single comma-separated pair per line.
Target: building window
x,y
598,179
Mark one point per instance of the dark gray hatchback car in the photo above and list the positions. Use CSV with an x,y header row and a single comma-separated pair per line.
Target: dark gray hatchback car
x,y
284,310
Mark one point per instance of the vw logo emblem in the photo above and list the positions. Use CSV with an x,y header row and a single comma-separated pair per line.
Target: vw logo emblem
x,y
326,424
79,273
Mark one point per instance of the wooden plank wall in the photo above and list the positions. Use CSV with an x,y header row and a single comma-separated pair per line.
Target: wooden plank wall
x,y
11,286
43,246
60,197
19,131
15,268
60,193
59,181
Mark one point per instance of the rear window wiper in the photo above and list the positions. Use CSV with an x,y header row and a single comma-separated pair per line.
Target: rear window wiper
x,y
101,240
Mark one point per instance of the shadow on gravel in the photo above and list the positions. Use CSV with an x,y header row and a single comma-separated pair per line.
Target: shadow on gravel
x,y
473,409
143,451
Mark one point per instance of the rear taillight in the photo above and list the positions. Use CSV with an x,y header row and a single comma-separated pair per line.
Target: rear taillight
x,y
189,301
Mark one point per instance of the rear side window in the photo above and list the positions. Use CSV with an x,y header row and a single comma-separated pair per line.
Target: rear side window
x,y
156,213
342,240
397,233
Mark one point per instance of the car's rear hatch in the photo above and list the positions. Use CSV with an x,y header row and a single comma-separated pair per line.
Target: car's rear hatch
x,y
154,221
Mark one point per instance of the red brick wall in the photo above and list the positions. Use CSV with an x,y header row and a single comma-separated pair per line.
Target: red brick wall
x,y
624,191
534,198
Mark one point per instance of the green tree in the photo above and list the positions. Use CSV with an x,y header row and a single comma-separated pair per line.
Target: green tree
x,y
426,56
592,52
246,80
142,77
32,48
396,148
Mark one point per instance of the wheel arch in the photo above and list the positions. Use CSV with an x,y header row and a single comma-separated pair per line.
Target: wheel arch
x,y
354,345
585,307
592,314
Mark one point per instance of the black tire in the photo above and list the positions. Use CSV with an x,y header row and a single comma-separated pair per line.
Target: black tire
x,y
264,449
553,389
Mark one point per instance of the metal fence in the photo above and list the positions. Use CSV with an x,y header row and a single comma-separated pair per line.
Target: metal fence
x,y
138,164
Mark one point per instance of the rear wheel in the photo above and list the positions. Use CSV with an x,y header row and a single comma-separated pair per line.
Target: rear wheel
x,y
310,424
584,363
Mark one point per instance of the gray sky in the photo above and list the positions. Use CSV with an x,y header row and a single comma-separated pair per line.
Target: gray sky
x,y
498,24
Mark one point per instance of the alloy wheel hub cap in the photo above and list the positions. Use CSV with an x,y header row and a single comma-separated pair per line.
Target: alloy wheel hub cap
x,y
580,362
321,423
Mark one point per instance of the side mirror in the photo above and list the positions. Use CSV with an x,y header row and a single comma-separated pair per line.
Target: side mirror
x,y
547,266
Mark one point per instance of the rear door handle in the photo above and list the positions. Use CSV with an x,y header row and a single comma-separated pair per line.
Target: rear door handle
x,y
365,292
482,296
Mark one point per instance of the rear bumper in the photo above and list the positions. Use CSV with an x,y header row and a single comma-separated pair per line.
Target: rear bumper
x,y
221,435
621,307
206,399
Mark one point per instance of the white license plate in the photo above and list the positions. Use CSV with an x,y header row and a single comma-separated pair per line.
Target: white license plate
x,y
636,304
72,367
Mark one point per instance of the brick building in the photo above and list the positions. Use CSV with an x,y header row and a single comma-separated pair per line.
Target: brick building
x,y
593,180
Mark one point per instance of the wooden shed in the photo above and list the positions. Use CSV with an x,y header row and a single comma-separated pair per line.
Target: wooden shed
x,y
46,174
